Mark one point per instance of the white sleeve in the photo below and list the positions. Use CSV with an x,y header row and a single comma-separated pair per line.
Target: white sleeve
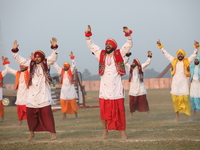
x,y
144,65
73,65
4,72
192,57
167,55
59,69
94,48
126,47
11,70
20,60
52,58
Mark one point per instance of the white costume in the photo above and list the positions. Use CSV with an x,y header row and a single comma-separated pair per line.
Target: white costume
x,y
39,92
4,72
68,91
137,87
22,91
111,84
179,84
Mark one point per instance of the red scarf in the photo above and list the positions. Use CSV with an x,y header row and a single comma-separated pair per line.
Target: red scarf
x,y
137,63
119,62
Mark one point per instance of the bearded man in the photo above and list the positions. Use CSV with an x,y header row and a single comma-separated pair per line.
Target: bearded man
x,y
180,73
137,90
111,93
38,107
195,86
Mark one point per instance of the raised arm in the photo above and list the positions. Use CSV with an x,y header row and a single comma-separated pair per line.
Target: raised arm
x,y
127,46
167,55
73,65
53,57
148,61
94,48
195,53
59,69
126,59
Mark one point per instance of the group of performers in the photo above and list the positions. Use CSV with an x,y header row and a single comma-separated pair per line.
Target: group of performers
x,y
34,93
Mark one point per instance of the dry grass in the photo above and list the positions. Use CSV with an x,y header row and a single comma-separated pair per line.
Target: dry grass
x,y
158,132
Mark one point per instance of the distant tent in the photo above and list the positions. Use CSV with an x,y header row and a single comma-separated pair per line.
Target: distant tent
x,y
166,72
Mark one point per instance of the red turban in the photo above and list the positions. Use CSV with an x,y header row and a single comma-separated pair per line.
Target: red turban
x,y
40,53
113,43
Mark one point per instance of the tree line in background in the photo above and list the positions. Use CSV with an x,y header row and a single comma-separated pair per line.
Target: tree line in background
x,y
87,76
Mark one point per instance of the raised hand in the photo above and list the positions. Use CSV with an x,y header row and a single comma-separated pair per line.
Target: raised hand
x,y
32,56
88,29
15,44
196,43
126,30
71,54
158,43
53,41
4,59
149,53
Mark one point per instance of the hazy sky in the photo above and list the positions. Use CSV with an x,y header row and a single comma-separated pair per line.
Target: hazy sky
x,y
34,22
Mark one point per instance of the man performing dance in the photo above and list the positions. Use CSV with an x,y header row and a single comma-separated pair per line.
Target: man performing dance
x,y
137,91
2,74
68,93
180,73
38,107
195,85
111,93
21,85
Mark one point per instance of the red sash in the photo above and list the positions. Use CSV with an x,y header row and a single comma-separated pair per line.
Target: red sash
x,y
1,80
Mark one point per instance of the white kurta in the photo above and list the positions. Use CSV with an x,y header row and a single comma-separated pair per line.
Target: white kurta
x,y
195,85
4,72
68,91
137,87
179,84
111,87
22,92
39,92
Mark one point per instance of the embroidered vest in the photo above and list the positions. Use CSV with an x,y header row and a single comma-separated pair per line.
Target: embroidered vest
x,y
119,62
70,76
45,68
26,78
186,66
1,80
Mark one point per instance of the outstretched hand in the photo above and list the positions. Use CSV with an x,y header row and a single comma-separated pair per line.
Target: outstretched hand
x,y
32,56
158,43
126,30
71,54
4,59
53,41
88,29
15,44
149,53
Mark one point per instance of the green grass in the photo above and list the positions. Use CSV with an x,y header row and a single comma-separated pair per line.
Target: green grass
x,y
158,132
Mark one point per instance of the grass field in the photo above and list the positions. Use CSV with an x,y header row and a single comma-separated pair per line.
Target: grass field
x,y
158,132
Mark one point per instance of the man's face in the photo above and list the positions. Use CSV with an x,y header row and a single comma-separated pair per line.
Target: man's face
x,y
196,62
109,48
180,56
22,68
38,59
66,68
133,65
